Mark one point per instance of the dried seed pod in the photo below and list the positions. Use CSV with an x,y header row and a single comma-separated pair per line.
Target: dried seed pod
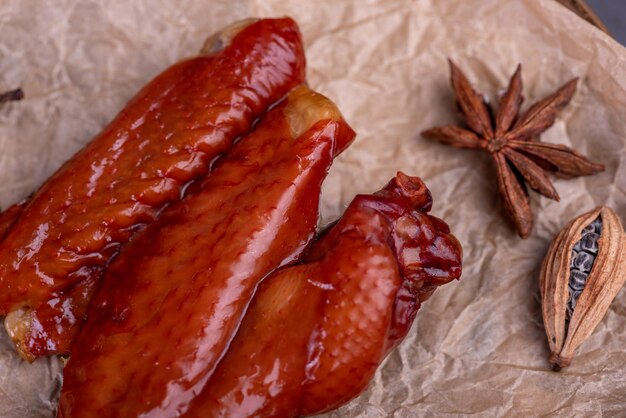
x,y
582,273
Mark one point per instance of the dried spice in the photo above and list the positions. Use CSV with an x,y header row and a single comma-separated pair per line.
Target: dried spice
x,y
583,256
512,140
582,273
10,96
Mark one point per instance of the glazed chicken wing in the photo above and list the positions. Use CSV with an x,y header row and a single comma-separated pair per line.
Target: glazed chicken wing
x,y
169,135
316,332
172,300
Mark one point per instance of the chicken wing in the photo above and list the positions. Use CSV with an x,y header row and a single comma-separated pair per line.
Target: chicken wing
x,y
172,300
316,332
169,135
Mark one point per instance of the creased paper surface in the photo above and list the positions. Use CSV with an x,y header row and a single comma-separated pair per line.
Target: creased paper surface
x,y
478,346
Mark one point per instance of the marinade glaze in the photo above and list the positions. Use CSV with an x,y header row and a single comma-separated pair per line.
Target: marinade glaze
x,y
315,333
167,136
172,300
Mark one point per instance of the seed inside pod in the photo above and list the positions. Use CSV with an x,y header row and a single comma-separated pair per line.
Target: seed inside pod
x,y
583,256
582,273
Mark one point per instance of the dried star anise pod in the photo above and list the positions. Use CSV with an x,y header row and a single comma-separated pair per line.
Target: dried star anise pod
x,y
512,140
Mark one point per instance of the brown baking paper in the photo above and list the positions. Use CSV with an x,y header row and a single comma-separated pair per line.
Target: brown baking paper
x,y
478,346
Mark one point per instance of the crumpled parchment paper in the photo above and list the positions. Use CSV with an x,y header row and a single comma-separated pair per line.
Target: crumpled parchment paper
x,y
478,346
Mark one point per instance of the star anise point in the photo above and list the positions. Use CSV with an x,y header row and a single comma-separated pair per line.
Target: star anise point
x,y
512,138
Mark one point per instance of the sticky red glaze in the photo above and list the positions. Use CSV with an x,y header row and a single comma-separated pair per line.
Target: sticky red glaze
x,y
315,333
54,324
172,300
9,217
168,135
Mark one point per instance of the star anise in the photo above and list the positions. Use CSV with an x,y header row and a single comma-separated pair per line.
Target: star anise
x,y
513,142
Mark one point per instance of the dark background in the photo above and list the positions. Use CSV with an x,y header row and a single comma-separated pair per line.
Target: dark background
x,y
613,15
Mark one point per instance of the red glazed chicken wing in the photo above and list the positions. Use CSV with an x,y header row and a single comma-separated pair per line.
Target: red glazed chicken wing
x,y
168,135
315,333
172,300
